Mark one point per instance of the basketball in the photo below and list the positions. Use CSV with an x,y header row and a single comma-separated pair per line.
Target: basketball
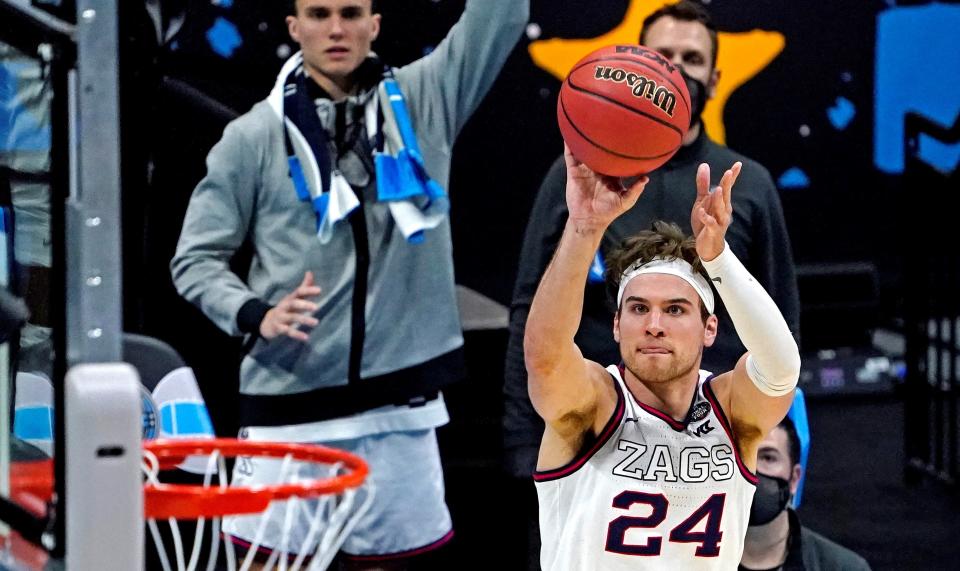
x,y
623,110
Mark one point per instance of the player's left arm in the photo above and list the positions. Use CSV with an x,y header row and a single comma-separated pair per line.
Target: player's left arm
x,y
758,392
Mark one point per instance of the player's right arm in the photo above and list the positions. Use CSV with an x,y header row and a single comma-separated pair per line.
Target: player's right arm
x,y
564,387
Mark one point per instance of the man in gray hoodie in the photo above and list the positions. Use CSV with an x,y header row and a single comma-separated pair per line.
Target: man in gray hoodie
x,y
338,181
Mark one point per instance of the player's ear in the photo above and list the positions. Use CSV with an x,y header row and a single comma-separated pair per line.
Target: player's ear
x,y
795,475
375,27
293,28
616,326
712,85
710,331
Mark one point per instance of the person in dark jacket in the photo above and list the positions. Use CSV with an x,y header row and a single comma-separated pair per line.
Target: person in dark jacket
x,y
775,538
684,34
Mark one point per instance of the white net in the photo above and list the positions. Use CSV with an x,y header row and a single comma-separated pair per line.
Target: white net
x,y
301,532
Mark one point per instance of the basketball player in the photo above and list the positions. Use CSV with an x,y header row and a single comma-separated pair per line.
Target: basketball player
x,y
650,464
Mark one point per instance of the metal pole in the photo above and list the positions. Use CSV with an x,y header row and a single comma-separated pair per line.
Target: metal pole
x,y
93,296
93,210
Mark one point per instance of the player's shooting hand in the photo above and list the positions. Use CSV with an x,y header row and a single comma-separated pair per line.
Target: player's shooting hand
x,y
713,210
595,199
293,314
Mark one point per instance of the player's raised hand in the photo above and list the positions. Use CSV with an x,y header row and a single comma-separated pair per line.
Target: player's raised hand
x,y
713,210
293,314
595,199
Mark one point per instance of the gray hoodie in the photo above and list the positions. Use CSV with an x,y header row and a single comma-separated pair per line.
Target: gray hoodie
x,y
410,312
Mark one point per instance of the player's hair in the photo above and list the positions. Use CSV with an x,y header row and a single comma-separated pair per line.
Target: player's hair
x,y
793,439
292,7
663,240
685,11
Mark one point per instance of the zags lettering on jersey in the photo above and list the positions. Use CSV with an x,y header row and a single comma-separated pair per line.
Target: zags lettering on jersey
x,y
695,464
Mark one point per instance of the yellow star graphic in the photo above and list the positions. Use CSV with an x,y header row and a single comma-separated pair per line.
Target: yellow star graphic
x,y
741,57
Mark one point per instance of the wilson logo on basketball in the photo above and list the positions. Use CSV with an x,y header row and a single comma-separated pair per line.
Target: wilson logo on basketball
x,y
661,97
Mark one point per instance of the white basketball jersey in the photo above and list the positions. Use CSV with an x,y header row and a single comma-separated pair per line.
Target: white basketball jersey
x,y
650,493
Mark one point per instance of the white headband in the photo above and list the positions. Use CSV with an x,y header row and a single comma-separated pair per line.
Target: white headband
x,y
674,267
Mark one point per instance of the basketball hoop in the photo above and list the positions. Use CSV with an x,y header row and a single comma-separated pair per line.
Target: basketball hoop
x,y
327,505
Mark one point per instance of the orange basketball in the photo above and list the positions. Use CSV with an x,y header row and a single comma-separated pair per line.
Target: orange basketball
x,y
624,110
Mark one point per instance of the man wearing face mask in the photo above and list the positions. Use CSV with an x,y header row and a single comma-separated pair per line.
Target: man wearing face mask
x,y
685,34
775,540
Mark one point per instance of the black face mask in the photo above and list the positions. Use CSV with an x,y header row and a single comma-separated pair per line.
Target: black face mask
x,y
698,97
769,500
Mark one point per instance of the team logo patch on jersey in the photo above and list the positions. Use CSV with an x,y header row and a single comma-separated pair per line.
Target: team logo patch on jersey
x,y
700,411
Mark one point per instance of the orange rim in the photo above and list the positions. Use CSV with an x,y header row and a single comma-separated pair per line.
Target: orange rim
x,y
196,501
31,484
